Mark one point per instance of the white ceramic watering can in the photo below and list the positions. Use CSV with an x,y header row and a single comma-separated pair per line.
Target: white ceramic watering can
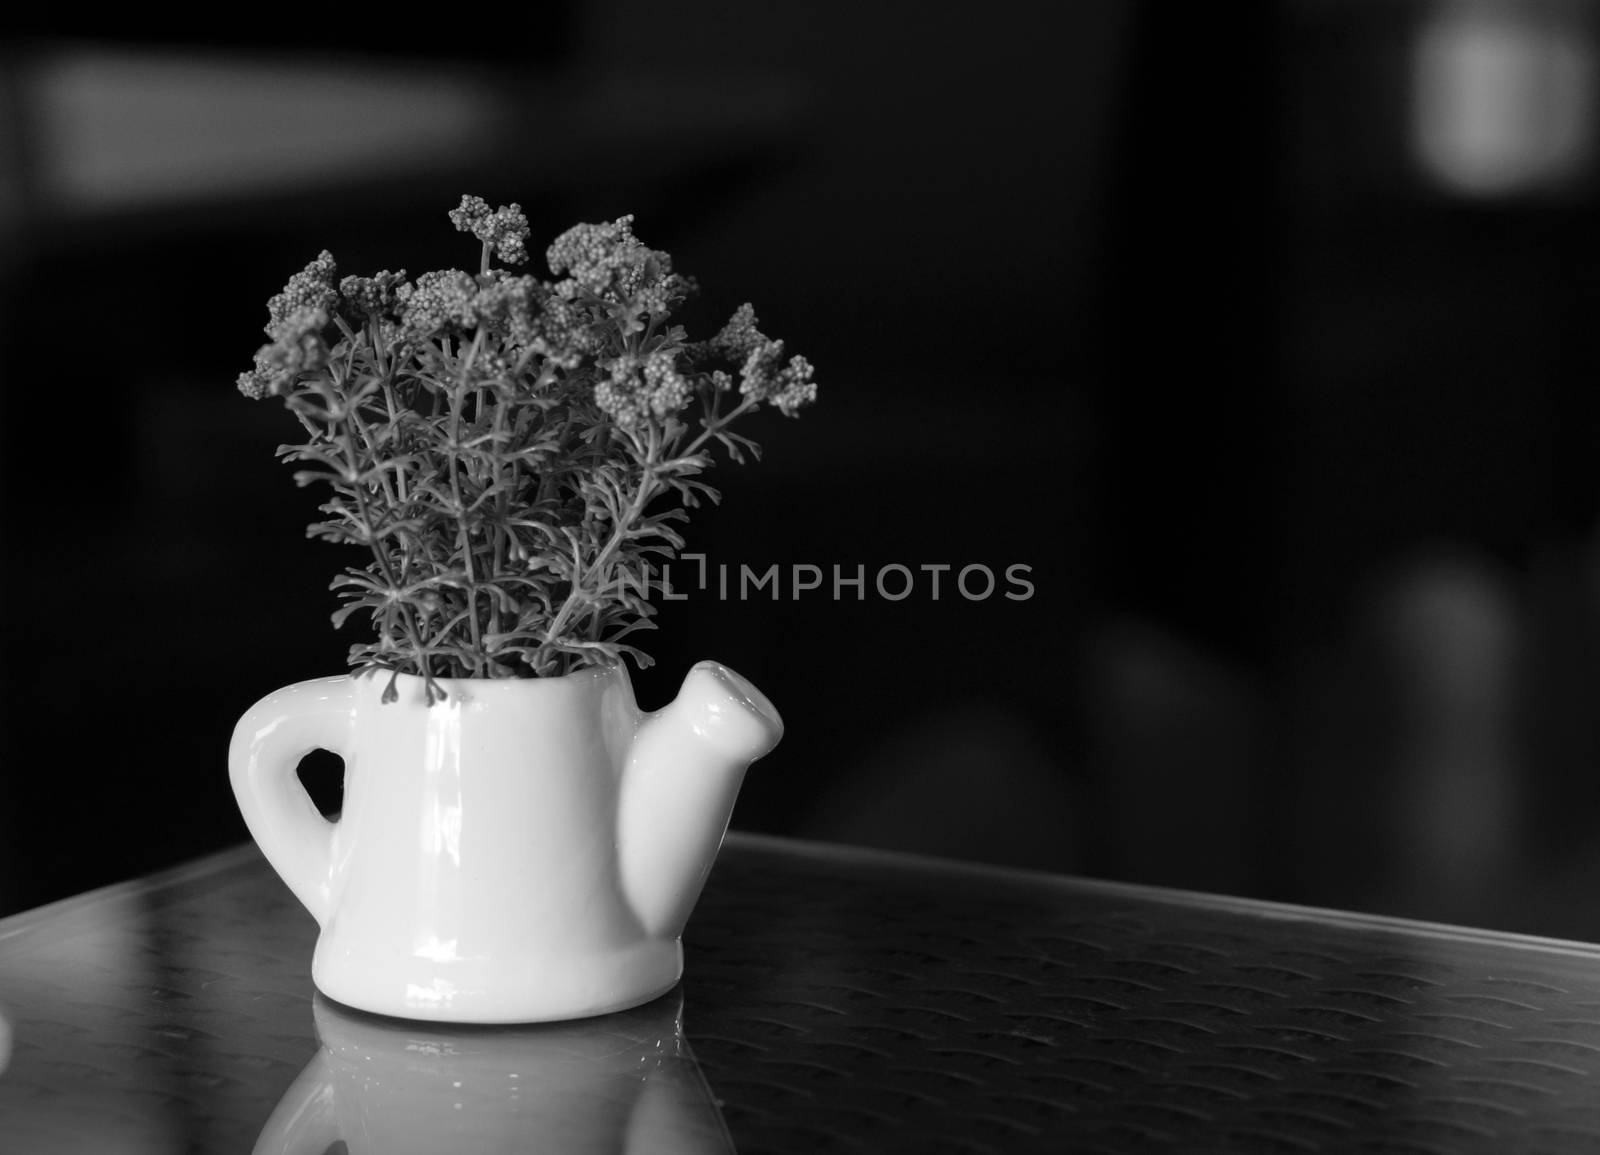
x,y
524,850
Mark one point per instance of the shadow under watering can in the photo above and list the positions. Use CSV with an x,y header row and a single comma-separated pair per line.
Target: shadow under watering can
x,y
621,1084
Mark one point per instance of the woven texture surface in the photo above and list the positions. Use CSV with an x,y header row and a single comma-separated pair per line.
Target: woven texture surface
x,y
854,1003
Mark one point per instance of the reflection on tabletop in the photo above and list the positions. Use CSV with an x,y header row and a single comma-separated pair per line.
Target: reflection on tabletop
x,y
5,1041
621,1083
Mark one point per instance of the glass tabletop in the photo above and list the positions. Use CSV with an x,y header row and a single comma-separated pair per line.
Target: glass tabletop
x,y
834,999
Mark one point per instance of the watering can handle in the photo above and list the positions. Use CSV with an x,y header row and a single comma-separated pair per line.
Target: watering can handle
x,y
267,746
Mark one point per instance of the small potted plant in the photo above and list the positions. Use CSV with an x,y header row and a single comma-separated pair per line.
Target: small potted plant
x,y
518,841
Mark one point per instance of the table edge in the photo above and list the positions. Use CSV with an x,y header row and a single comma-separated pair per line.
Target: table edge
x,y
16,928
1039,881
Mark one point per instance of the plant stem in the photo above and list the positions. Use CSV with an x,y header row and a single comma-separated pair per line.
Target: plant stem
x,y
498,527
641,498
716,424
366,437
394,417
408,622
458,399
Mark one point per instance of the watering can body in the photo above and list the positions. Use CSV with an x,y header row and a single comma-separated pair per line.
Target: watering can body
x,y
520,850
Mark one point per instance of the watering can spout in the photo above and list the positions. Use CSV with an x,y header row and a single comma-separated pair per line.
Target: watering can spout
x,y
678,788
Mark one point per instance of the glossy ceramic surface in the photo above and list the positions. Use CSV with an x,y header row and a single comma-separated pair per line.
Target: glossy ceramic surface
x,y
624,1084
524,851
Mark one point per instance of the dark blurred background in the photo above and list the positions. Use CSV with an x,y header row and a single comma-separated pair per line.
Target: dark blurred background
x,y
1261,333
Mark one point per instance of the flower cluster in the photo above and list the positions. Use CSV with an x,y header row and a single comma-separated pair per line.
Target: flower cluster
x,y
313,287
440,302
740,335
372,297
502,446
639,389
607,262
503,231
295,319
296,348
763,374
789,388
